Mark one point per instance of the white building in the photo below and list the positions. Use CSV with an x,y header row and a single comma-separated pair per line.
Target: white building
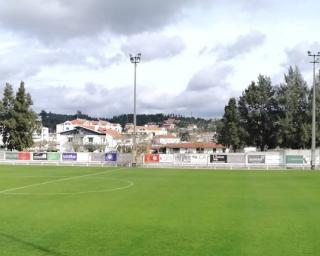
x,y
149,131
165,139
41,135
82,138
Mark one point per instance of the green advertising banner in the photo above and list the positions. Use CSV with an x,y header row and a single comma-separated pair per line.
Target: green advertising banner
x,y
53,156
294,159
12,155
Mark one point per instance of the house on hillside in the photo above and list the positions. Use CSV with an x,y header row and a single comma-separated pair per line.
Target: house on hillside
x,y
93,124
192,127
165,139
146,131
204,136
189,148
169,124
82,138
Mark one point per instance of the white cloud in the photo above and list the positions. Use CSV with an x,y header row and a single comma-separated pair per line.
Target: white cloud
x,y
242,45
154,46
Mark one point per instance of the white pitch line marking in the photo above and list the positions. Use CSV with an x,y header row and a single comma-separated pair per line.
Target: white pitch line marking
x,y
130,184
55,181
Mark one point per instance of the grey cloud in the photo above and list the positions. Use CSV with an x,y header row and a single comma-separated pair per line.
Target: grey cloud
x,y
297,55
153,46
210,77
100,101
209,103
242,45
206,95
58,19
17,62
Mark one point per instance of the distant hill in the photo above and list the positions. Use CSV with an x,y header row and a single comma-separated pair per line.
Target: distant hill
x,y
50,120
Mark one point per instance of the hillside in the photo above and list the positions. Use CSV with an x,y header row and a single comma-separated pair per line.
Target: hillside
x,y
50,120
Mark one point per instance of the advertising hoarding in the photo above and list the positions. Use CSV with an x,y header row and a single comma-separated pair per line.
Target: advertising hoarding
x,y
69,156
166,158
295,159
39,156
256,159
236,158
53,156
110,157
24,155
12,156
99,157
151,158
218,158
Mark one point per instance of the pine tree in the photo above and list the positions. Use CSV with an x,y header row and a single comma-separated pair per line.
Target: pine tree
x,y
7,121
24,119
295,111
231,134
259,113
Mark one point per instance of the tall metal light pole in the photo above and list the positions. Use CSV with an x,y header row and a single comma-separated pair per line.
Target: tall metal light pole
x,y
313,140
135,60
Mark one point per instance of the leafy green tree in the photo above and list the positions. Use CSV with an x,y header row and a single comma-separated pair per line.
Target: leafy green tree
x,y
185,136
24,121
259,114
230,132
295,115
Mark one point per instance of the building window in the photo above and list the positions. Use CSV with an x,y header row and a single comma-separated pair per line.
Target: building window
x,y
70,139
90,140
200,150
176,150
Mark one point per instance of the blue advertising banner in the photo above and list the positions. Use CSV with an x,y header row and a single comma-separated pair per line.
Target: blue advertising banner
x,y
111,157
69,156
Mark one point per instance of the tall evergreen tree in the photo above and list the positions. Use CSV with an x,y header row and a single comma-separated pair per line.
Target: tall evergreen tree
x,y
25,121
259,113
295,111
231,133
7,121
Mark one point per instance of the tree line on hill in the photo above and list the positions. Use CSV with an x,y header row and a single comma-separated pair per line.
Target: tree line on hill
x,y
50,120
271,116
17,120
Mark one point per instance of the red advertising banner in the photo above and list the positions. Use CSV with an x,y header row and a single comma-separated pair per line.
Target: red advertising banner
x,y
151,158
24,155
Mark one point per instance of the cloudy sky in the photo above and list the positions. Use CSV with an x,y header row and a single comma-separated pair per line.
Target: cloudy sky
x,y
196,54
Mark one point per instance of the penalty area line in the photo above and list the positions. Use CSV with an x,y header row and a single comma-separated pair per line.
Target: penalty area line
x,y
57,180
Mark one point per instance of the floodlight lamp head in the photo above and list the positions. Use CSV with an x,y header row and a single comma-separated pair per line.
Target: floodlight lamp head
x,y
309,53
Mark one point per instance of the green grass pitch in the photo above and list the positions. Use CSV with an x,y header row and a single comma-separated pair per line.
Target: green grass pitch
x,y
75,211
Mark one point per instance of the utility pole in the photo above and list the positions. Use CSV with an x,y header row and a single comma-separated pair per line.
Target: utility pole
x,y
135,60
313,140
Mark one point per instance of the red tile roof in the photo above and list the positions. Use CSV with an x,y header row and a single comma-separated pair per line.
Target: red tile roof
x,y
78,121
110,132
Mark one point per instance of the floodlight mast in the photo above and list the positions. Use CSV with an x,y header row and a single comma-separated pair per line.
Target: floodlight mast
x,y
135,60
315,61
